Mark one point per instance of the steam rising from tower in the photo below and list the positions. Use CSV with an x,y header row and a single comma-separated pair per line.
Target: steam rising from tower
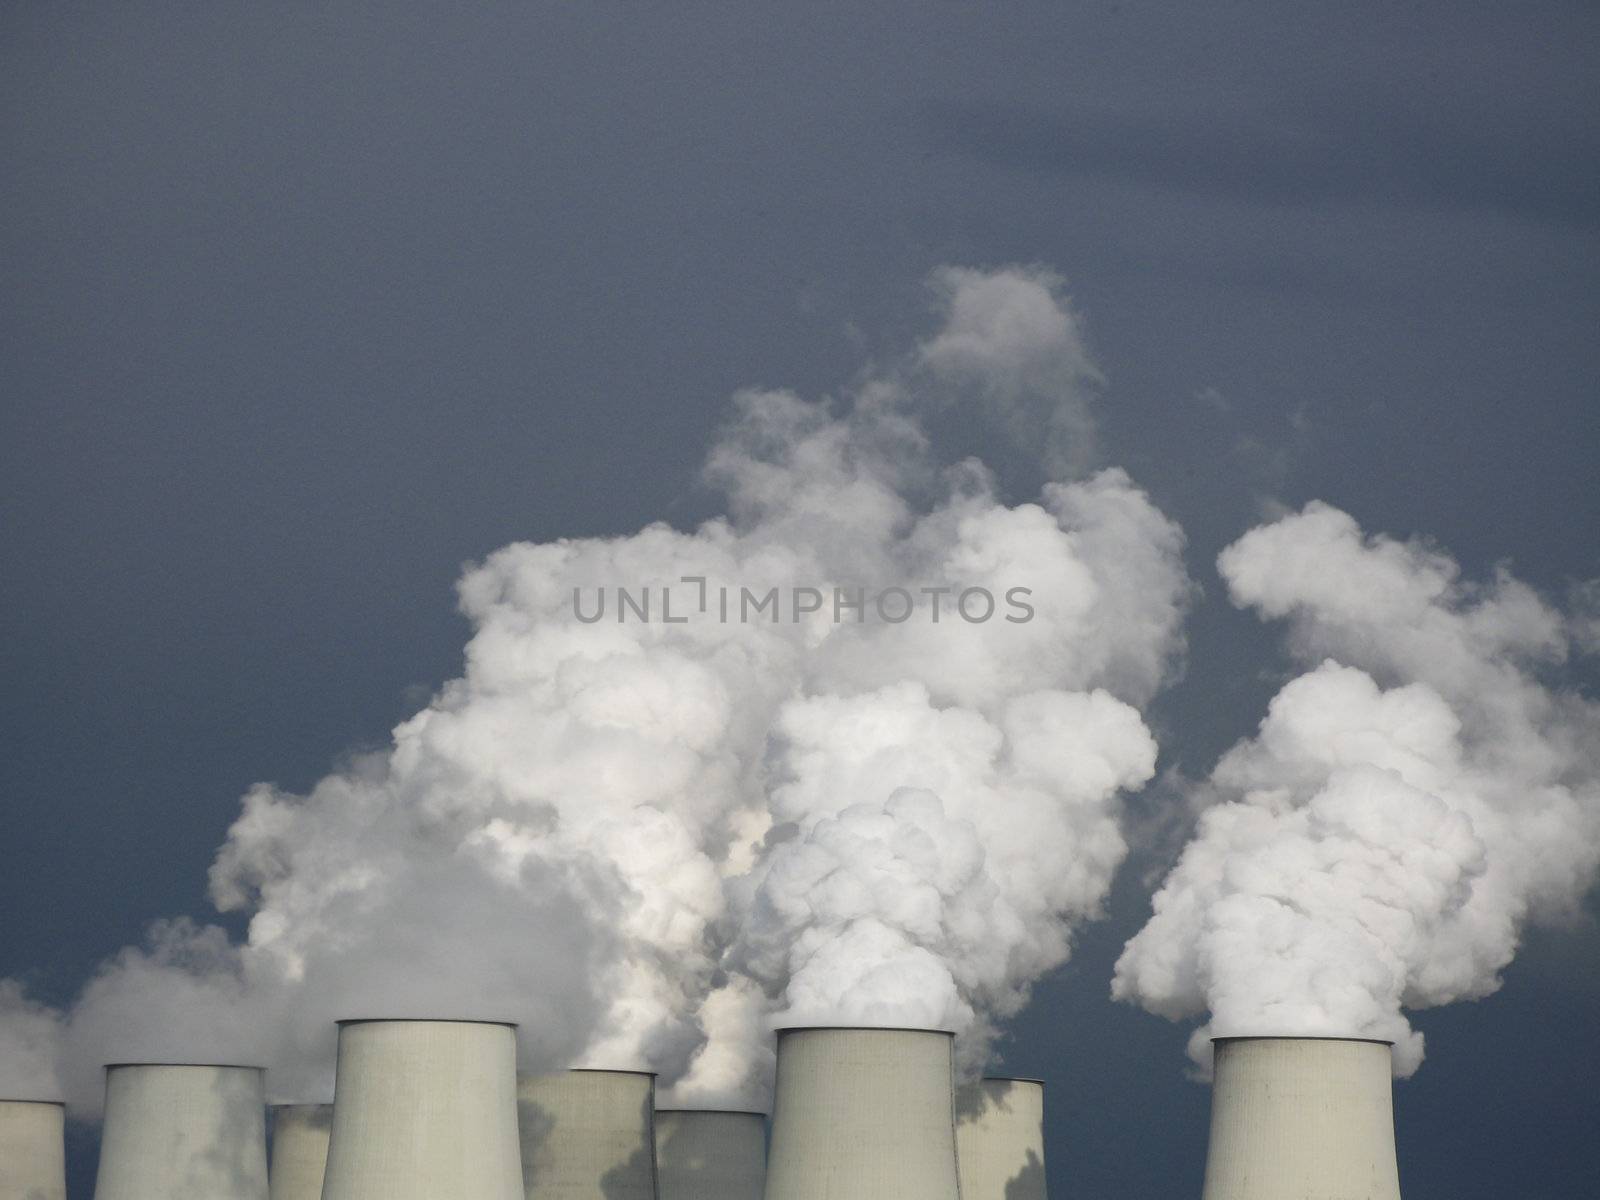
x,y
30,1042
1414,798
854,751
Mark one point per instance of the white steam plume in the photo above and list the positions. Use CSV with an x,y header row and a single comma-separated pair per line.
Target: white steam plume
x,y
1406,807
646,840
30,1038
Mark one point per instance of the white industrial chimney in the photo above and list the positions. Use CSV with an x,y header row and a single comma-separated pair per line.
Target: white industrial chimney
x,y
588,1135
1000,1139
710,1154
177,1131
863,1114
1301,1119
299,1150
425,1110
33,1163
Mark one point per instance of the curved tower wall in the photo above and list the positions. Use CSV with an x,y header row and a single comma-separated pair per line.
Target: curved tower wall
x,y
588,1135
710,1155
299,1150
1000,1139
863,1114
33,1163
424,1110
178,1132
1301,1119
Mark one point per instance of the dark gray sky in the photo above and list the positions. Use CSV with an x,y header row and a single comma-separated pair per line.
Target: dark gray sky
x,y
305,305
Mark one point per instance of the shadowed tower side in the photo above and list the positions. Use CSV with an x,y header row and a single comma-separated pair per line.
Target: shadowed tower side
x,y
1301,1119
32,1150
300,1135
1000,1139
588,1135
183,1132
706,1154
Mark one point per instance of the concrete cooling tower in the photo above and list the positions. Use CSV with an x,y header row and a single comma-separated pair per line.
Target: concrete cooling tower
x,y
1000,1139
863,1114
425,1110
1301,1119
588,1135
299,1150
704,1154
181,1132
33,1162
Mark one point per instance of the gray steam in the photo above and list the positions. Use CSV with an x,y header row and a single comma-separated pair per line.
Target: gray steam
x,y
30,1040
1407,806
648,841
864,763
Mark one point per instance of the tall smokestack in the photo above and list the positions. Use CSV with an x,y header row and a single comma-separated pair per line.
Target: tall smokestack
x,y
299,1150
863,1114
33,1162
588,1135
425,1110
1000,1139
177,1131
707,1154
1301,1119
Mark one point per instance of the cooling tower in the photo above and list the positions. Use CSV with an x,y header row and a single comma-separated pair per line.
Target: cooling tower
x,y
1000,1139
863,1114
588,1135
425,1110
181,1132
32,1159
1301,1119
299,1150
703,1154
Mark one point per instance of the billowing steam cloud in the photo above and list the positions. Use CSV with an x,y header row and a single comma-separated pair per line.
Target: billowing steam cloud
x,y
1407,805
944,797
851,753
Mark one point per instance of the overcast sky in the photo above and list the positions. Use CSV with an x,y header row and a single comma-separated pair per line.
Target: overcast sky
x,y
307,305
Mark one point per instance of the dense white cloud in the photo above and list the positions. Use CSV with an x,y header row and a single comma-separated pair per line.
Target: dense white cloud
x,y
1406,807
885,795
934,862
